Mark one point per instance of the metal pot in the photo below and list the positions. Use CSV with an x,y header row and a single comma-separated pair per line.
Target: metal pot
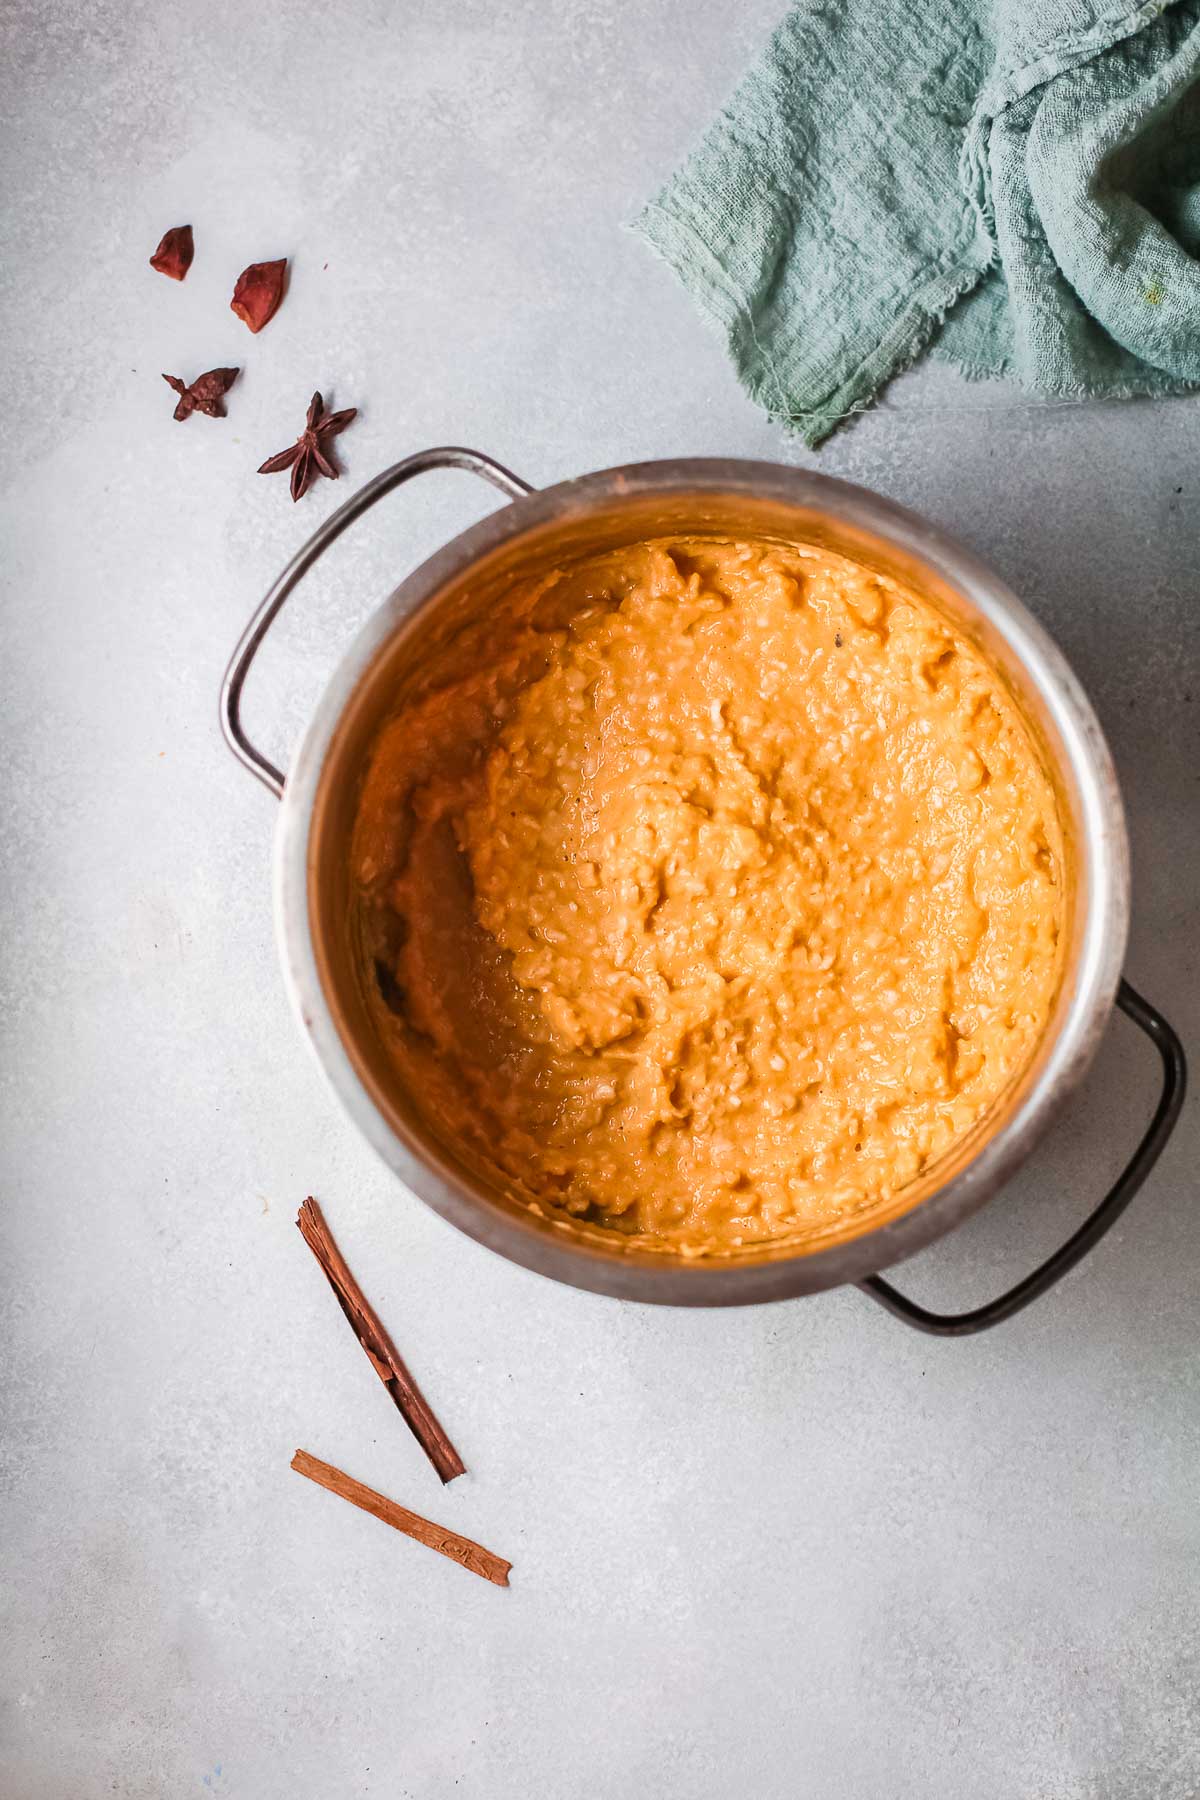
x,y
600,511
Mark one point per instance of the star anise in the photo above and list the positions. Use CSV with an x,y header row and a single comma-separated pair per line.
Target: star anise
x,y
204,394
306,458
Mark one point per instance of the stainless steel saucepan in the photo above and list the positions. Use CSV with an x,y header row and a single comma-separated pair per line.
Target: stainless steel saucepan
x,y
598,512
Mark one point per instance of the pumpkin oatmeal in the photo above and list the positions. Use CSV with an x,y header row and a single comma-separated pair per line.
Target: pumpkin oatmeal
x,y
712,891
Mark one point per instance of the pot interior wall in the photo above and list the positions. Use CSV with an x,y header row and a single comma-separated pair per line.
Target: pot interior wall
x,y
422,632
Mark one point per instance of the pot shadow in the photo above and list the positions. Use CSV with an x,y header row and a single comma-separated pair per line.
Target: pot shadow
x,y
1147,1261
1091,516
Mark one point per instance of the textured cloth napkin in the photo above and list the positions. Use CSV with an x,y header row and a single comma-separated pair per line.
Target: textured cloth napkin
x,y
1019,179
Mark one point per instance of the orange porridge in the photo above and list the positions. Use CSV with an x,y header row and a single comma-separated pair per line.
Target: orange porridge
x,y
712,889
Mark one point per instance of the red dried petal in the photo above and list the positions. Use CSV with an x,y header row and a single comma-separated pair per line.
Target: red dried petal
x,y
174,255
258,292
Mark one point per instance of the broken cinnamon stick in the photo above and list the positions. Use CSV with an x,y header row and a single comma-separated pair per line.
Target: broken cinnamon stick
x,y
385,1358
462,1550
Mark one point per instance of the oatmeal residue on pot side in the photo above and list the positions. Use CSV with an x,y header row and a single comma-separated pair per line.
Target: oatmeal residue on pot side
x,y
713,890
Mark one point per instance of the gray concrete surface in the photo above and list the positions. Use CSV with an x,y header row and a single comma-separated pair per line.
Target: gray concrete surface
x,y
794,1552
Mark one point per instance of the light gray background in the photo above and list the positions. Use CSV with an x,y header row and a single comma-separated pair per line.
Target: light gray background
x,y
789,1552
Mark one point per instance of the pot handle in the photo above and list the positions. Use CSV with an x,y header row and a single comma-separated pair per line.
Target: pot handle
x,y
1094,1227
445,457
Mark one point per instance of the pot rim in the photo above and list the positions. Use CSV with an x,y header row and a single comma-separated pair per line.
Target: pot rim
x,y
558,1253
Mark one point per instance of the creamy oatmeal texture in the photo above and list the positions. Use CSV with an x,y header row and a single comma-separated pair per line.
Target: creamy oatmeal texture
x,y
713,893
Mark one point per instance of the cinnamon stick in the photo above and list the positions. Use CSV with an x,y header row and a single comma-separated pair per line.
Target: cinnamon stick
x,y
462,1550
385,1358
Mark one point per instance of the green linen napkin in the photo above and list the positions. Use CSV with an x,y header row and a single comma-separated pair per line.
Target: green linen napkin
x,y
1019,179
